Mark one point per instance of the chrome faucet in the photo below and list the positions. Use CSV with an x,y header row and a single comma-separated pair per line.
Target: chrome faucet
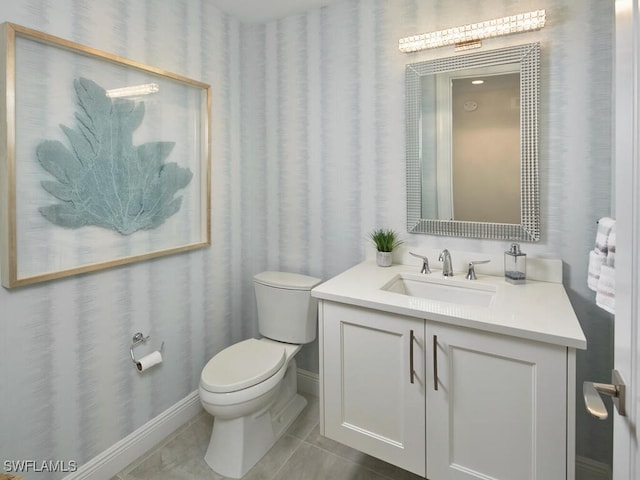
x,y
425,263
471,273
445,258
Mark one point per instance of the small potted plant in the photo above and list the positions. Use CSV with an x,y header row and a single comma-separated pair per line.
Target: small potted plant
x,y
385,241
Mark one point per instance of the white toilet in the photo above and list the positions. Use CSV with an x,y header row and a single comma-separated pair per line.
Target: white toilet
x,y
251,387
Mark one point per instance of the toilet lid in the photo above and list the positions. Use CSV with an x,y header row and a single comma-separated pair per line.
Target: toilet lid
x,y
242,365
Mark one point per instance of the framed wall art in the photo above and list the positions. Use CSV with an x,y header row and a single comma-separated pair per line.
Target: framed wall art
x,y
103,161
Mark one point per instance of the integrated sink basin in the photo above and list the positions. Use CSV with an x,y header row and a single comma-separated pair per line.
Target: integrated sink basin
x,y
442,289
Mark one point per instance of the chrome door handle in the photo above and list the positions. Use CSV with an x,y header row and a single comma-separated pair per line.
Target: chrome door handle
x,y
616,390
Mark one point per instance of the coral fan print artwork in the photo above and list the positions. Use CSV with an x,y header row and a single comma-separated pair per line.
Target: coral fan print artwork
x,y
102,178
107,160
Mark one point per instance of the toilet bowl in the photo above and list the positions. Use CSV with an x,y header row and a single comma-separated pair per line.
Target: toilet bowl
x,y
250,388
253,402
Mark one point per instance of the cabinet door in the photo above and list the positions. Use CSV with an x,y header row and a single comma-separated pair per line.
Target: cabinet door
x,y
369,401
499,411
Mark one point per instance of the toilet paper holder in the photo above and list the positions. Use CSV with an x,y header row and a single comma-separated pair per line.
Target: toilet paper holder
x,y
138,339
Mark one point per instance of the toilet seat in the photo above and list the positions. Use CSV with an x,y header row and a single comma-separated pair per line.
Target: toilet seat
x,y
242,365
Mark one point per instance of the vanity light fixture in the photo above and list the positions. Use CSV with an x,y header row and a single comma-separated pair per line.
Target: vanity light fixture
x,y
469,36
477,82
134,90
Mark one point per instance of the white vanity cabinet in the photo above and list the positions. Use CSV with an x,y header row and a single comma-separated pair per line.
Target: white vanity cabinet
x,y
499,410
443,401
451,387
370,399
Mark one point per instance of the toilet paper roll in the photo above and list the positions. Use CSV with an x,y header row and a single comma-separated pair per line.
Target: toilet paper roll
x,y
149,361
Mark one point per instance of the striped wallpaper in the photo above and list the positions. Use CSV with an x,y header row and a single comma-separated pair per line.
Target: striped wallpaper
x,y
308,156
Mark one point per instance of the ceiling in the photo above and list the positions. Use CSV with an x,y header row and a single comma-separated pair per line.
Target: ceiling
x,y
258,11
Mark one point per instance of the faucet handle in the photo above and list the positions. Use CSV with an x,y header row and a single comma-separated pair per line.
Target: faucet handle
x,y
471,274
425,263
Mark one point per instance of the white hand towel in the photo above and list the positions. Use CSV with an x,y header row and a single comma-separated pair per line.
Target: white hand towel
x,y
598,256
605,224
606,285
606,293
611,247
596,261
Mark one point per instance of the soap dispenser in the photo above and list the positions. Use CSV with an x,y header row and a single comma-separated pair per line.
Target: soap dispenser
x,y
515,265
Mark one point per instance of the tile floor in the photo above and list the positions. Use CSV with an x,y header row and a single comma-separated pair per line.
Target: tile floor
x,y
301,454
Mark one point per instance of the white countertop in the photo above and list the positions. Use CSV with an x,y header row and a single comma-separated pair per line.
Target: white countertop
x,y
537,310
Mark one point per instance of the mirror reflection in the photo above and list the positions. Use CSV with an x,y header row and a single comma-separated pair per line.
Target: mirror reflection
x,y
472,144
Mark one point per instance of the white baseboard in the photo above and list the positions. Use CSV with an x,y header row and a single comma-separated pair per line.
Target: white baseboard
x,y
137,443
106,465
308,382
587,469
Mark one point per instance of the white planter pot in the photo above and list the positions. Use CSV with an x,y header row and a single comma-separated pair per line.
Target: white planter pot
x,y
384,259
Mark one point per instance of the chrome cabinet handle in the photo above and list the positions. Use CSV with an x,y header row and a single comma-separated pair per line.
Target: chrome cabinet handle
x,y
616,390
435,362
411,371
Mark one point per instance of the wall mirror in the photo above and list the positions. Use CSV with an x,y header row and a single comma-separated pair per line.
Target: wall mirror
x,y
472,144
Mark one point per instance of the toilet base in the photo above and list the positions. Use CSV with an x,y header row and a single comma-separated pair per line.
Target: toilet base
x,y
237,444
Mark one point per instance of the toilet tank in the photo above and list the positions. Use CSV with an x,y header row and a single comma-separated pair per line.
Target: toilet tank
x,y
286,310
